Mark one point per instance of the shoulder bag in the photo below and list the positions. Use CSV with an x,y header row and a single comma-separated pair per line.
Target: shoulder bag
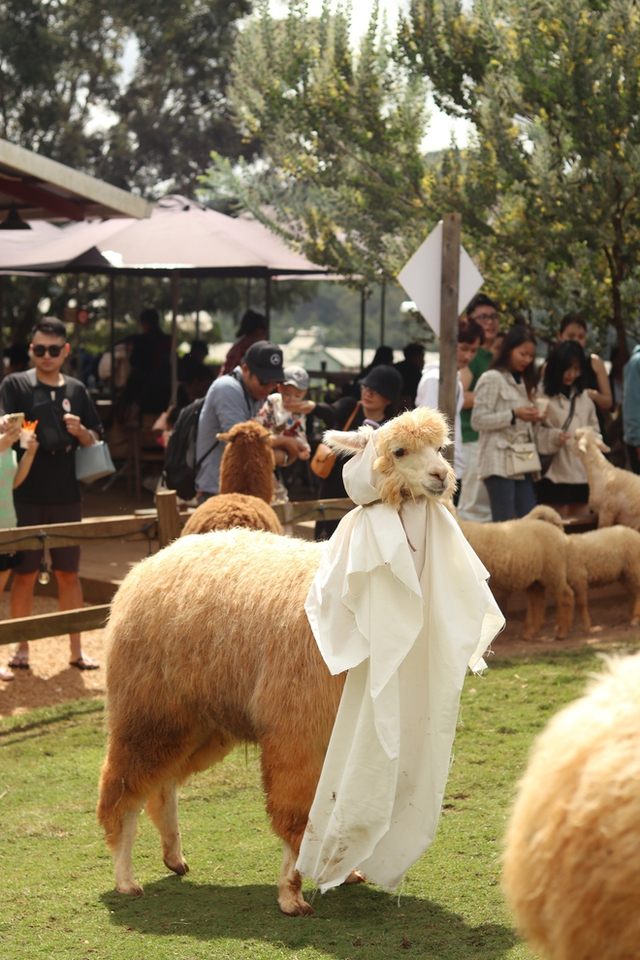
x,y
324,458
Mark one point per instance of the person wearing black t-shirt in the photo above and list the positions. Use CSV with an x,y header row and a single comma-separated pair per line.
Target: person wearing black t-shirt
x,y
50,493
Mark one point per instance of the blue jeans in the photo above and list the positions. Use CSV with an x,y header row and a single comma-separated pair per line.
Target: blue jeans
x,y
509,498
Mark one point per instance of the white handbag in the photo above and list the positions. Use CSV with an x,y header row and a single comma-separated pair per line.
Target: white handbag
x,y
93,462
522,458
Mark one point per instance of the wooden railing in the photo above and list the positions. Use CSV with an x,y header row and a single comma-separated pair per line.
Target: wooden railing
x,y
164,525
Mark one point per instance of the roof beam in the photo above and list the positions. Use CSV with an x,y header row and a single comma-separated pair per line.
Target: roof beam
x,y
36,197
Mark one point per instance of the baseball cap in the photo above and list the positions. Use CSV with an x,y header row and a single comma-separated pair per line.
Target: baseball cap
x,y
297,377
264,359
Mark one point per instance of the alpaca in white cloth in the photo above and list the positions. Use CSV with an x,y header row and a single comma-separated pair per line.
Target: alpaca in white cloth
x,y
210,646
401,602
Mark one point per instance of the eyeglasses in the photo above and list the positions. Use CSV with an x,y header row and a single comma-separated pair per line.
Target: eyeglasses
x,y
482,317
54,350
265,383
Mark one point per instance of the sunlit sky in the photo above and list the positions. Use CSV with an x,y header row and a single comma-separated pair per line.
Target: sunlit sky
x,y
441,126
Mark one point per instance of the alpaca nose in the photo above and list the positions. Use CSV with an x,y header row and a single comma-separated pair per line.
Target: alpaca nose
x,y
438,473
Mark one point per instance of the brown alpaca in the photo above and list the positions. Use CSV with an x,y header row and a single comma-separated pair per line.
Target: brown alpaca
x,y
246,485
210,646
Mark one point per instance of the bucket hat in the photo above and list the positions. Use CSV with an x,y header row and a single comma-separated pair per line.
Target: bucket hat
x,y
386,381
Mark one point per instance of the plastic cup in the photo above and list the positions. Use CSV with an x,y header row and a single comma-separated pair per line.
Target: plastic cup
x,y
542,403
25,436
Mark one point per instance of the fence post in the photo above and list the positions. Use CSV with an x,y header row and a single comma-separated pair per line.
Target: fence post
x,y
168,519
451,225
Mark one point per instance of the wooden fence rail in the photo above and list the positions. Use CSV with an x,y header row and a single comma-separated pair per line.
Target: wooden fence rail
x,y
165,526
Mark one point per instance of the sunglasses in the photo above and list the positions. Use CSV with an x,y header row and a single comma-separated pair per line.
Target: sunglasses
x,y
54,350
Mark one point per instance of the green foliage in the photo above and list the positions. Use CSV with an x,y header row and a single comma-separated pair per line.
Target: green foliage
x,y
62,91
58,898
550,187
343,178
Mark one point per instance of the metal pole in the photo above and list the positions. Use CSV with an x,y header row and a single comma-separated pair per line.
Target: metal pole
x,y
449,318
383,291
175,293
197,332
112,334
267,304
1,321
363,307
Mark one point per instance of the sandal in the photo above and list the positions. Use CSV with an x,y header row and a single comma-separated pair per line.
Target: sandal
x,y
85,663
6,675
19,663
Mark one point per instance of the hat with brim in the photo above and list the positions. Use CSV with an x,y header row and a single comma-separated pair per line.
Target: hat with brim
x,y
264,359
386,381
296,377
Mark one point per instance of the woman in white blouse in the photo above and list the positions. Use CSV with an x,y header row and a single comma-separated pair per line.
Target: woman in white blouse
x,y
503,414
565,384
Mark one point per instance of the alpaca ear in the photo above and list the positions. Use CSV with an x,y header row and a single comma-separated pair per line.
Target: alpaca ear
x,y
582,445
223,436
342,441
601,445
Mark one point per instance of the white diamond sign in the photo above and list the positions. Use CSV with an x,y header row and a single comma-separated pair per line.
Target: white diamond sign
x,y
421,277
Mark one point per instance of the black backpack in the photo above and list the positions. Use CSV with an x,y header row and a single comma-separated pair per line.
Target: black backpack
x,y
180,464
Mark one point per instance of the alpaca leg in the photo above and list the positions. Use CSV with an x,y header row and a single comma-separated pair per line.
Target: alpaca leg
x,y
290,899
162,808
580,594
564,604
290,777
535,610
122,862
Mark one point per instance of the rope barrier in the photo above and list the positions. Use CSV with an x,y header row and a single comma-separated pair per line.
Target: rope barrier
x,y
71,536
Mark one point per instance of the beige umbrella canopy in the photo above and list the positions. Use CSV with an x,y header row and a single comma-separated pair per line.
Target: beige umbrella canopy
x,y
181,235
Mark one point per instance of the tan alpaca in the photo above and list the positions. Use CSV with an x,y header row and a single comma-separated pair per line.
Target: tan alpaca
x,y
529,555
573,842
209,646
246,485
601,557
614,494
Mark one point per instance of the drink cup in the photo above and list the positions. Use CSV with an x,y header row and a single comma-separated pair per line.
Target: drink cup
x,y
542,403
25,436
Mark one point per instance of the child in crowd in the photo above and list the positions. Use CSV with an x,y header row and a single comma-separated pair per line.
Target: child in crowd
x,y
12,475
284,413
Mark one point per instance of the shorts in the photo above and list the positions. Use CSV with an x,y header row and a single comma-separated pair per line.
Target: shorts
x,y
65,559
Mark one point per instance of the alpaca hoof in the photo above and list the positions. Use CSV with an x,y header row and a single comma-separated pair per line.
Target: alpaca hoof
x,y
296,908
130,887
181,867
356,877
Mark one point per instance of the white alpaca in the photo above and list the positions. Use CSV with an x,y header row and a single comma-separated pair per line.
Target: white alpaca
x,y
614,494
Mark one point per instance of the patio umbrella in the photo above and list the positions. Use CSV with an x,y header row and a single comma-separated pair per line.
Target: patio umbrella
x,y
182,238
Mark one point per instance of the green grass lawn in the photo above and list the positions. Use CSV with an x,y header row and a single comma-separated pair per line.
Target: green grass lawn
x,y
58,899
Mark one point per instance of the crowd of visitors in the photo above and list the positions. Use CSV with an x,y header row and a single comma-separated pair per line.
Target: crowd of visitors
x,y
512,432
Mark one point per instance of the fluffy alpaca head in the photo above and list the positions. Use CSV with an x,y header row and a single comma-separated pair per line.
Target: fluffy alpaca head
x,y
409,463
570,865
247,463
584,442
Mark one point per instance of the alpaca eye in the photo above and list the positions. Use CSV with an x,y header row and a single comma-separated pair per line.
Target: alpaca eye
x,y
399,453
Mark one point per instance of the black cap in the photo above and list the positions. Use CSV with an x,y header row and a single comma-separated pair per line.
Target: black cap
x,y
264,359
386,381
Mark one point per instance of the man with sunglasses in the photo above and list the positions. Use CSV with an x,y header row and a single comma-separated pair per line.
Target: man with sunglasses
x,y
51,492
235,398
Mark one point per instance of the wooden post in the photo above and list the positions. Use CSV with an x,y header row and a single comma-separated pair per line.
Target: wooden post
x,y
383,292
175,294
168,519
449,318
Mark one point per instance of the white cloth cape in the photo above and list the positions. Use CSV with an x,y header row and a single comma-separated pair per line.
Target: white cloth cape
x,y
405,625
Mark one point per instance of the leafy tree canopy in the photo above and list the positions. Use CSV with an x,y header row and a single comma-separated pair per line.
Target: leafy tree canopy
x,y
63,92
343,176
550,187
